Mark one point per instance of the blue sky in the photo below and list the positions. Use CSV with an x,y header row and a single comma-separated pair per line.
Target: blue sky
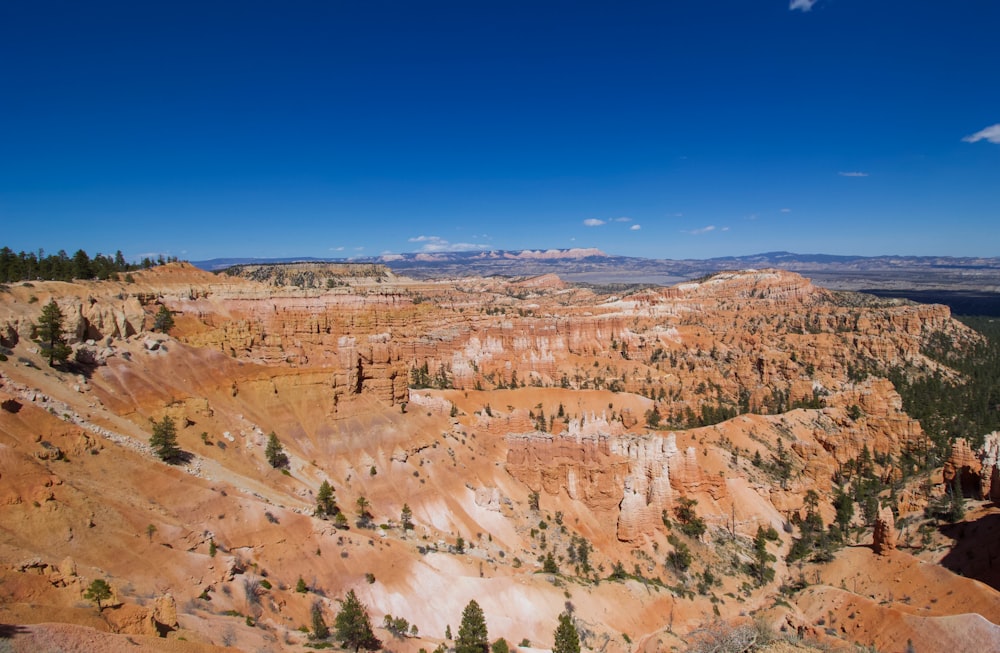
x,y
674,129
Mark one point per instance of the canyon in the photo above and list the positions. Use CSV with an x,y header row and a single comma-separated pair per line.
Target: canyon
x,y
519,419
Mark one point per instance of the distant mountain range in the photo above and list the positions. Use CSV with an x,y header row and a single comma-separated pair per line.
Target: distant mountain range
x,y
597,267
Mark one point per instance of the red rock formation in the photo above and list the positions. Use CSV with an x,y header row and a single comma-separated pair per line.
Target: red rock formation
x,y
884,534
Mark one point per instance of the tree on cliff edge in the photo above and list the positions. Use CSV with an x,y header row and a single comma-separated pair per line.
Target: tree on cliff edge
x,y
163,321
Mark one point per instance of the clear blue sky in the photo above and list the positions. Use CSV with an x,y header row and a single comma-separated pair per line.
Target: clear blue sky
x,y
673,129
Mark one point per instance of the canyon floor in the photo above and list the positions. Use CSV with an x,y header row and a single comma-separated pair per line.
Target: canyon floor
x,y
556,447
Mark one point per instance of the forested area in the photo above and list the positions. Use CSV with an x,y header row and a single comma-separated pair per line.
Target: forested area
x,y
947,409
32,266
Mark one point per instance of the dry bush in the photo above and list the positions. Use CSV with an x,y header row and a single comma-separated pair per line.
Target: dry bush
x,y
724,637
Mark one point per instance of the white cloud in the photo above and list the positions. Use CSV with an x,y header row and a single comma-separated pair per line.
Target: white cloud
x,y
623,219
635,227
593,222
337,249
786,210
438,244
991,134
802,5
724,229
698,232
853,174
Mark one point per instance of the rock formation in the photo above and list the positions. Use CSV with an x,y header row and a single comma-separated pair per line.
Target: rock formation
x,y
461,400
884,534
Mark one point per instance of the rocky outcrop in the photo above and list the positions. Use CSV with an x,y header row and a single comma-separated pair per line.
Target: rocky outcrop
x,y
647,490
989,475
884,532
636,477
584,469
977,472
156,620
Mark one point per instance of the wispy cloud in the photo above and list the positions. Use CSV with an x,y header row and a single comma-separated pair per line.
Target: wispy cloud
x,y
593,222
991,134
802,5
699,232
635,227
853,174
623,219
438,244
337,249
786,210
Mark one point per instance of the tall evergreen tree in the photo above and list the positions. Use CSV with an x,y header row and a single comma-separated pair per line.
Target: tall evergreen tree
x,y
275,453
472,636
567,638
353,627
163,321
164,440
320,629
50,333
326,502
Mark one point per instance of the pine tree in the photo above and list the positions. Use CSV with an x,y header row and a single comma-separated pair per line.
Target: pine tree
x,y
163,321
353,626
760,566
472,636
164,441
98,591
274,452
326,503
567,638
50,333
406,518
320,629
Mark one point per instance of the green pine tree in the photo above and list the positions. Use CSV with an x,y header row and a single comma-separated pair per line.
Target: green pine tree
x,y
274,452
567,638
98,591
49,331
163,321
472,636
164,441
326,502
320,629
353,626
